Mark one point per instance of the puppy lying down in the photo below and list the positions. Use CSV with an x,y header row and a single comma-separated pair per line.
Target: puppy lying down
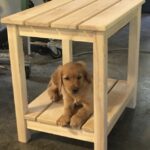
x,y
72,83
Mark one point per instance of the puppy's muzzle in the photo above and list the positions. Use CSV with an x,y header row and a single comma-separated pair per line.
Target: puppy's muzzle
x,y
75,90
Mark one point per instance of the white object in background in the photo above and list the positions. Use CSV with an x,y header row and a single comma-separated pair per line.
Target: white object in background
x,y
37,2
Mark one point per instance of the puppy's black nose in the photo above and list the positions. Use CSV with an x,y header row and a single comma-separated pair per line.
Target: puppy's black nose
x,y
75,90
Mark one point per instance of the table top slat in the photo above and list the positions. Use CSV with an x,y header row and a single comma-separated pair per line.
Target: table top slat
x,y
111,16
45,19
73,20
20,17
89,15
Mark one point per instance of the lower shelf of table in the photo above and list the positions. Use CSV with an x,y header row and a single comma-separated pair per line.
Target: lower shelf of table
x,y
43,113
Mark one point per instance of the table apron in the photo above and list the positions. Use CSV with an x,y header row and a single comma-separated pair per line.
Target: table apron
x,y
74,35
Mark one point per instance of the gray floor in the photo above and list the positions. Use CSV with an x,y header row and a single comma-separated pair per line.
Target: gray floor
x,y
132,131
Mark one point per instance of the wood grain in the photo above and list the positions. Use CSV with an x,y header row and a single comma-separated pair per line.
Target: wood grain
x,y
45,19
37,106
111,16
117,101
19,18
72,20
54,111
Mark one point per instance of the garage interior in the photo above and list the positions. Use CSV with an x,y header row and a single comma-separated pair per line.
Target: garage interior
x,y
131,132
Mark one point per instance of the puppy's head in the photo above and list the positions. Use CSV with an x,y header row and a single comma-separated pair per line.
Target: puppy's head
x,y
74,77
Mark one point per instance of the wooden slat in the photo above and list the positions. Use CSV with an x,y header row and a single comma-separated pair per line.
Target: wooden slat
x,y
37,106
54,111
111,16
45,19
51,114
19,18
73,20
111,83
117,101
61,131
124,21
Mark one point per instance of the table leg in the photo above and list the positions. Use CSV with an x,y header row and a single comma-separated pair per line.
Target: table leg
x,y
133,55
100,55
66,51
19,81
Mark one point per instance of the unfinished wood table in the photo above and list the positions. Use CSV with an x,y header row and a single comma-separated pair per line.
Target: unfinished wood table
x,y
76,20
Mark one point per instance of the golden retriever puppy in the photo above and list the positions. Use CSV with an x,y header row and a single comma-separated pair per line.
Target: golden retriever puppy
x,y
73,82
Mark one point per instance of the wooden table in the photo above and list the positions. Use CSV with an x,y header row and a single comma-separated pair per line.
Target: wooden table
x,y
76,20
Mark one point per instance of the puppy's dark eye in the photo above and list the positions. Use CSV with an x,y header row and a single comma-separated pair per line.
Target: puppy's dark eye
x,y
79,77
66,78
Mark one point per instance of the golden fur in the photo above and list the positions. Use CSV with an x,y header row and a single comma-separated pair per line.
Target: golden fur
x,y
73,84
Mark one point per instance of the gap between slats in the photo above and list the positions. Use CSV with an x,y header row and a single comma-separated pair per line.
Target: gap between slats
x,y
45,19
110,17
20,17
117,101
72,21
37,106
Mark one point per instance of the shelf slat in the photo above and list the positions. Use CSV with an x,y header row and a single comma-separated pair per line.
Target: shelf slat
x,y
100,23
21,17
44,20
71,21
54,111
37,106
61,131
43,113
117,101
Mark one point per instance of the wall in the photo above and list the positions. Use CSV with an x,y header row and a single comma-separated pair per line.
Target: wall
x,y
9,6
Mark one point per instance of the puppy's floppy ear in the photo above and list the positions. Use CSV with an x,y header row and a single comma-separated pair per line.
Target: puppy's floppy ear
x,y
82,63
87,75
56,79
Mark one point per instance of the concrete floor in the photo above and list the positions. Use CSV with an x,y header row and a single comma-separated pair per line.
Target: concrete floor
x,y
132,131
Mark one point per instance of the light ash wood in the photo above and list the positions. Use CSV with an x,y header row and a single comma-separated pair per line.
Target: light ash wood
x,y
42,109
94,18
71,21
73,35
37,106
117,101
51,114
96,26
46,121
133,54
116,104
100,91
122,22
19,18
45,19
61,131
66,51
54,111
100,23
19,82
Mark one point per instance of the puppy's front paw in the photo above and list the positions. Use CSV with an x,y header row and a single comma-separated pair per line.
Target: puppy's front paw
x,y
54,97
63,120
76,122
